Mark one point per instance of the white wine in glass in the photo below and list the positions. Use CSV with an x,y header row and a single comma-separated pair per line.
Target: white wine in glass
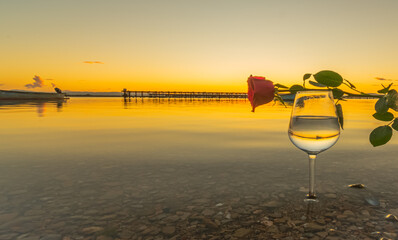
x,y
314,127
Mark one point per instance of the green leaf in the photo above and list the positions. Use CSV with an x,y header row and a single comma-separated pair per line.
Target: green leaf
x,y
381,105
380,135
316,84
280,85
387,116
385,89
339,111
329,78
337,93
296,88
306,76
395,124
392,99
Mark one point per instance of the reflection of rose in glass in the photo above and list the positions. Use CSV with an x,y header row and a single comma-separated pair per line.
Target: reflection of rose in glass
x,y
260,91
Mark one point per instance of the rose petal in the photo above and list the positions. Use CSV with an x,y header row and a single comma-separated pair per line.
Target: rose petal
x,y
260,91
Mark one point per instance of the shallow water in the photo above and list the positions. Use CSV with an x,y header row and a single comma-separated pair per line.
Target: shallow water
x,y
101,168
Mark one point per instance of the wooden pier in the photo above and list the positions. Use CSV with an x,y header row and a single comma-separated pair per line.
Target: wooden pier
x,y
174,94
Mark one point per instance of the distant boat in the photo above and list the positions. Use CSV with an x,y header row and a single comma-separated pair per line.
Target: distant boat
x,y
26,95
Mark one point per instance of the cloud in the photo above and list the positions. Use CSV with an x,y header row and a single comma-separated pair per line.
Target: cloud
x,y
37,83
384,79
1,84
93,62
52,84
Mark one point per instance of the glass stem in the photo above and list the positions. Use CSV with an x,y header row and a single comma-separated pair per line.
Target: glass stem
x,y
311,193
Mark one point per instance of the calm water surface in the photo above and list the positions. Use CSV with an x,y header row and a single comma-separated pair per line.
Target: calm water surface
x,y
98,168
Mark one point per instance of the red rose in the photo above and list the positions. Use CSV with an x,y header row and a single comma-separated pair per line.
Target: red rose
x,y
260,91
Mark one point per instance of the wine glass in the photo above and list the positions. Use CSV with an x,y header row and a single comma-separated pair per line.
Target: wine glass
x,y
314,128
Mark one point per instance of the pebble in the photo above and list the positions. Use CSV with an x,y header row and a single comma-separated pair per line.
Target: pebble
x,y
168,230
209,223
272,229
331,195
313,227
8,235
322,234
390,235
321,221
7,217
303,189
51,237
242,232
272,204
348,213
333,238
102,237
26,237
308,235
151,231
267,223
341,216
365,213
208,212
91,230
258,211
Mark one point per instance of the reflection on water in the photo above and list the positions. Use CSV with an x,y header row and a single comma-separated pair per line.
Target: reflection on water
x,y
39,104
103,168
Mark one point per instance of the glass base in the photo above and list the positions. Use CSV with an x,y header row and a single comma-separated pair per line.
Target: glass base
x,y
311,198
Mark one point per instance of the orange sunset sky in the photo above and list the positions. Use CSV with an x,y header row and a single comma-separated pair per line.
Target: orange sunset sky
x,y
206,45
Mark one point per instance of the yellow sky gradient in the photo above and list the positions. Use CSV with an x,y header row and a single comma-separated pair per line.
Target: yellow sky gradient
x,y
194,45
